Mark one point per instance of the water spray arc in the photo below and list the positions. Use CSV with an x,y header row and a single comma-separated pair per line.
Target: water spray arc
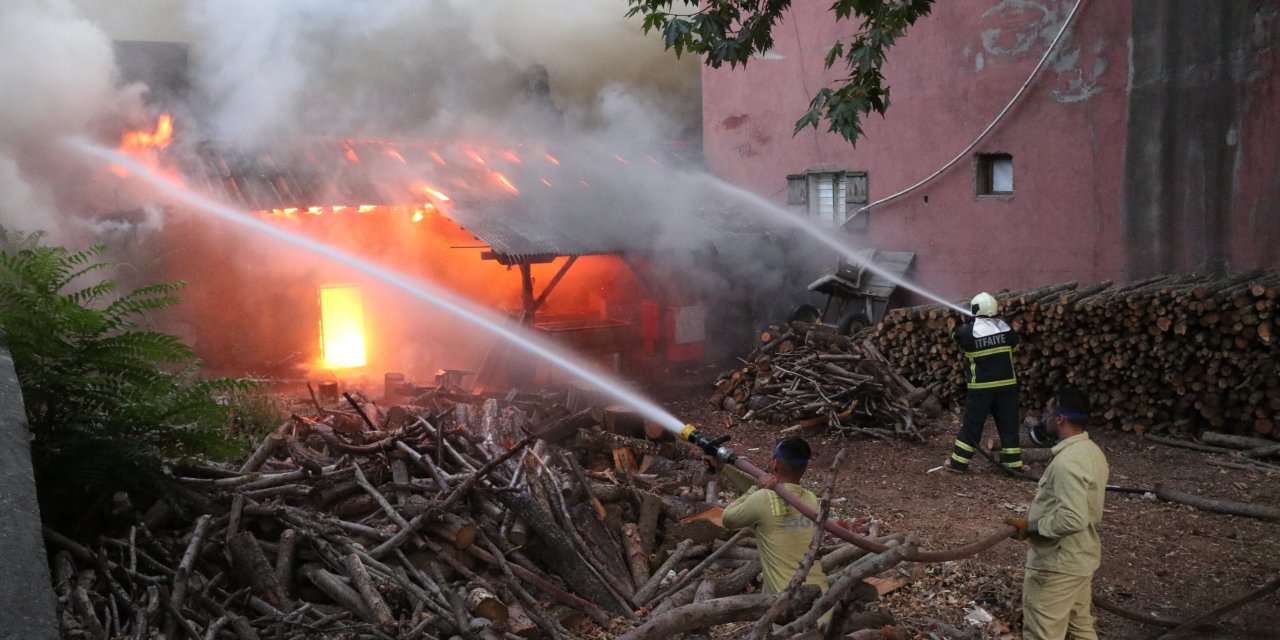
x,y
534,346
420,290
828,239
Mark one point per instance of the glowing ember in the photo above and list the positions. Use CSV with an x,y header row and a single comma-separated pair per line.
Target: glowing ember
x,y
511,156
315,211
418,216
422,188
396,154
653,160
342,326
351,155
438,158
366,208
475,156
506,184
548,183
584,184
552,159
621,159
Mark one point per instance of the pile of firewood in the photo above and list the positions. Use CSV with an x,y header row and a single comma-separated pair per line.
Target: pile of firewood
x,y
446,517
809,375
1170,353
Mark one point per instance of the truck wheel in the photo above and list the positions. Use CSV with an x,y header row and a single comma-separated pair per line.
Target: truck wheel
x,y
804,313
853,323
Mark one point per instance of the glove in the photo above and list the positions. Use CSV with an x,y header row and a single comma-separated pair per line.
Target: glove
x,y
1020,524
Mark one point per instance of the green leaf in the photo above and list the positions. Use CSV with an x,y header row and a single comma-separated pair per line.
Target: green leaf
x,y
108,405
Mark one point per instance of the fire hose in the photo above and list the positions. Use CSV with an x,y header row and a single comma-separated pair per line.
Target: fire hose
x,y
716,447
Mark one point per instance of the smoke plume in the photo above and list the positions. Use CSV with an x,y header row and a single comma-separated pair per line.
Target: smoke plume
x,y
59,78
572,78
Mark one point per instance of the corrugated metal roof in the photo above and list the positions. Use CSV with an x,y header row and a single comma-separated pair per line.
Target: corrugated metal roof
x,y
522,237
539,223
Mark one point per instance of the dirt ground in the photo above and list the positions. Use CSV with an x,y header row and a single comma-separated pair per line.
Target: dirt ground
x,y
1160,558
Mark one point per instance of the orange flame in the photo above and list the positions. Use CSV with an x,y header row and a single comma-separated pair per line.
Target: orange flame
x,y
160,138
366,208
141,143
438,158
512,157
351,155
418,216
396,154
342,326
475,156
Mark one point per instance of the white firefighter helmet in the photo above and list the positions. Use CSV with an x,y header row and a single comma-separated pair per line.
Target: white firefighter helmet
x,y
983,304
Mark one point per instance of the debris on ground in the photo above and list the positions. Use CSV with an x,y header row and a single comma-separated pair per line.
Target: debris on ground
x,y
809,377
447,515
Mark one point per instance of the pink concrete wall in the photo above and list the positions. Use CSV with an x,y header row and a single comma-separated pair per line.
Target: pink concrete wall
x,y
949,77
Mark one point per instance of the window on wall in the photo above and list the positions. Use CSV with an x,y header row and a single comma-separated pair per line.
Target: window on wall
x,y
995,174
828,196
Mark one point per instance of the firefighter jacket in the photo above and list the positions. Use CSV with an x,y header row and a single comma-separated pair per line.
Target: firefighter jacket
x,y
988,345
1067,509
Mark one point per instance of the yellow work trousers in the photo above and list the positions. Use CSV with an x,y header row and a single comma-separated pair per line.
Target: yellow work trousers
x,y
1056,606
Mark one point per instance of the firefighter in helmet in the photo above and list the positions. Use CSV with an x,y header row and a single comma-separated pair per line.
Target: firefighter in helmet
x,y
992,386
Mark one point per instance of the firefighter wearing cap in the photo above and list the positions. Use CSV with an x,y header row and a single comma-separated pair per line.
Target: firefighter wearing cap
x,y
988,343
1062,528
783,534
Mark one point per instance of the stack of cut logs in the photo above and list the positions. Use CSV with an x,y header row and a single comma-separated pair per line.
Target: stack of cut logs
x,y
811,376
1171,353
440,518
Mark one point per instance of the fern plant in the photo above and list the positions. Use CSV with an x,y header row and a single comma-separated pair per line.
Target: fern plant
x,y
110,404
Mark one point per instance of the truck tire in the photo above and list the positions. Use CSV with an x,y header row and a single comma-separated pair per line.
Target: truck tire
x,y
804,313
853,323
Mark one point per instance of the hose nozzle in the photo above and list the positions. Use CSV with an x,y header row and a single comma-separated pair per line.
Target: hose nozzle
x,y
710,446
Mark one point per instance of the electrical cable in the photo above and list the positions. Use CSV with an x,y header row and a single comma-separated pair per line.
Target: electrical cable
x,y
1000,116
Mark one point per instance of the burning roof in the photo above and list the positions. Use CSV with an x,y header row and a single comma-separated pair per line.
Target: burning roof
x,y
526,204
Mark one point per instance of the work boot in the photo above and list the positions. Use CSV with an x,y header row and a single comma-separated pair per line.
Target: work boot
x,y
946,464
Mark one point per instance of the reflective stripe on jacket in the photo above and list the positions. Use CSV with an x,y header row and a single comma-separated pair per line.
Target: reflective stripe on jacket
x,y
783,534
988,345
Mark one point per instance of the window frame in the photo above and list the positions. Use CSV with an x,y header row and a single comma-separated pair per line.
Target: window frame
x,y
848,191
985,174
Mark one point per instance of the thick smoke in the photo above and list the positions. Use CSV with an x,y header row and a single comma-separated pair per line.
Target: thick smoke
x,y
569,77
59,78
396,67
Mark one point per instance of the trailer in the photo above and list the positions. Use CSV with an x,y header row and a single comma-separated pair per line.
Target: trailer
x,y
857,297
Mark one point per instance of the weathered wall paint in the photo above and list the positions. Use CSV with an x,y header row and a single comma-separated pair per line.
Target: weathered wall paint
x,y
1201,165
1068,136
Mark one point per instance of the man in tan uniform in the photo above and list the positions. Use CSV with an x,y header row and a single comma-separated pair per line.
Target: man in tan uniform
x,y
782,533
1062,527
